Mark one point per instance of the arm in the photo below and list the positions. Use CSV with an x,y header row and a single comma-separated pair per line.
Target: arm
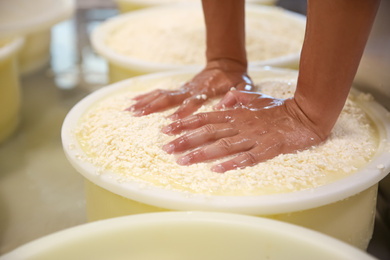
x,y
225,34
336,34
226,64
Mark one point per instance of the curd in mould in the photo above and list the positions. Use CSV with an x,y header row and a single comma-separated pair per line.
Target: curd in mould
x,y
322,188
170,37
130,147
178,37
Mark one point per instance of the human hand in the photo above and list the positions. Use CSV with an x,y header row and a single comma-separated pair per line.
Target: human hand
x,y
215,80
257,129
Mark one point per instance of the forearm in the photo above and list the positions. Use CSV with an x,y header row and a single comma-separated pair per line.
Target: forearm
x,y
225,32
336,34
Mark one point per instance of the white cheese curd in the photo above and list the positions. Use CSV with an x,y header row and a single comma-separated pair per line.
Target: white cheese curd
x,y
130,147
177,36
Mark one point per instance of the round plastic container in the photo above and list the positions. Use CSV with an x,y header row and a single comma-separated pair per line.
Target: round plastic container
x,y
34,22
131,5
9,87
124,66
344,209
187,235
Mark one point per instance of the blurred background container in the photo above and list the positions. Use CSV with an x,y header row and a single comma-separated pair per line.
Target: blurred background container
x,y
178,34
33,20
189,236
9,86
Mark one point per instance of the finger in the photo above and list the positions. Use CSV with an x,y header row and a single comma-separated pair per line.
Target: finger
x,y
143,100
189,106
200,136
259,153
234,98
149,94
229,100
222,147
160,103
246,85
196,121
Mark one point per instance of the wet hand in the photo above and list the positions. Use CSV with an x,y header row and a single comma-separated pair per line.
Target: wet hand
x,y
209,83
255,128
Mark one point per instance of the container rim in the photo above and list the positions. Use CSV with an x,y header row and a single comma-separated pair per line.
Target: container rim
x,y
41,21
368,176
11,48
100,33
65,239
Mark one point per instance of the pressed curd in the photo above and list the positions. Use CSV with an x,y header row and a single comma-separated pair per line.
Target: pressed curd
x,y
170,37
177,36
130,147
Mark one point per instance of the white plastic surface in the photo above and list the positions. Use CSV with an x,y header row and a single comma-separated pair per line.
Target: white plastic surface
x,y
187,235
21,17
11,48
33,20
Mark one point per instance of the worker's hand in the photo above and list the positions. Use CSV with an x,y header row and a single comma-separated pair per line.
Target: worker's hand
x,y
257,128
215,80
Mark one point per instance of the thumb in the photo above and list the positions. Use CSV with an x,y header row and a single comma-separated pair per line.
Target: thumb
x,y
235,98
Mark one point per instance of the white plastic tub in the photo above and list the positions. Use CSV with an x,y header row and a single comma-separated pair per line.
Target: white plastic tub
x,y
187,37
186,236
344,209
131,5
34,21
9,87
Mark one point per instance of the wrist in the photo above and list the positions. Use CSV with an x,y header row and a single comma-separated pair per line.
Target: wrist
x,y
321,128
227,65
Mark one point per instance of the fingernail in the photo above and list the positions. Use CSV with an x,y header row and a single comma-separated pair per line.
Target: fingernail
x,y
218,168
166,129
185,160
137,113
173,117
169,148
